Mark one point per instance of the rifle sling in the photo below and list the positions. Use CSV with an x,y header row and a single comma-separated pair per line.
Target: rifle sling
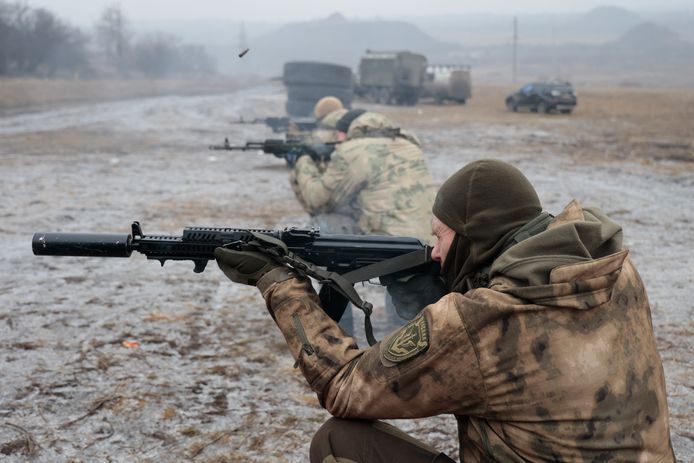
x,y
337,282
344,284
388,266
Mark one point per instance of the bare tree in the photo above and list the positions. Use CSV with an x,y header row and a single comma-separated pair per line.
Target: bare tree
x,y
35,41
196,60
5,37
113,35
156,55
160,55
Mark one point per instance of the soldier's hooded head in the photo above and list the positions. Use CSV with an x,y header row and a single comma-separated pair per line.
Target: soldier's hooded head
x,y
347,119
330,121
484,203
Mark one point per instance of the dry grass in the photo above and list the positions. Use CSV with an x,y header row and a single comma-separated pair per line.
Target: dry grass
x,y
641,123
74,140
660,111
17,94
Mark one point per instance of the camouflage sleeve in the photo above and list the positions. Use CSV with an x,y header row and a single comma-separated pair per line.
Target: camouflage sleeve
x,y
325,191
295,188
427,367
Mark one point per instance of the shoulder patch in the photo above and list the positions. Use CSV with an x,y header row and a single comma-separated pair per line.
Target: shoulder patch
x,y
409,341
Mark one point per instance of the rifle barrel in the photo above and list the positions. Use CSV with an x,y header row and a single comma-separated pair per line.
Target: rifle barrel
x,y
82,244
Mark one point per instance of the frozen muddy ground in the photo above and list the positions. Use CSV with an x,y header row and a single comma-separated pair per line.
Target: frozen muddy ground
x,y
211,380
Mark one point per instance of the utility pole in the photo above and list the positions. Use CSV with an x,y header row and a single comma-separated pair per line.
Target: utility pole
x,y
515,48
555,58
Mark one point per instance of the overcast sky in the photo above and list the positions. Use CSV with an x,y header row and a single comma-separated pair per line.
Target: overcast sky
x,y
88,11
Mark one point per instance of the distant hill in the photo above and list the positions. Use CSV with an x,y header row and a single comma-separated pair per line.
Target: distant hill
x,y
650,37
596,26
618,44
645,54
338,40
679,21
605,18
649,46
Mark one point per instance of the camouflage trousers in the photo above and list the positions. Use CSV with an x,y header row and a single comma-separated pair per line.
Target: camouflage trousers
x,y
360,441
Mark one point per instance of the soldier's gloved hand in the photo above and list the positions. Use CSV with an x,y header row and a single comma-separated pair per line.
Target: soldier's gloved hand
x,y
323,151
293,155
410,295
249,268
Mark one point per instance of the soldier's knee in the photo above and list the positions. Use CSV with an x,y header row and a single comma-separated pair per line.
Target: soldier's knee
x,y
324,431
320,444
330,436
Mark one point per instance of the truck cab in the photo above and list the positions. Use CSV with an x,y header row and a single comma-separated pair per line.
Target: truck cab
x,y
391,77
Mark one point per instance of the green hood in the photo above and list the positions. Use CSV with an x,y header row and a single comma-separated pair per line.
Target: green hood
x,y
330,120
573,263
375,125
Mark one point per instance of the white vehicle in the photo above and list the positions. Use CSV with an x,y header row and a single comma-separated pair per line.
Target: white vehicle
x,y
448,82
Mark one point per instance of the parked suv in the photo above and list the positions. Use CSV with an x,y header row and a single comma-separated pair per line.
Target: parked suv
x,y
543,97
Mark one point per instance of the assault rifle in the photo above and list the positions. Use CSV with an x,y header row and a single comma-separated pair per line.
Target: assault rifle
x,y
336,261
289,150
282,124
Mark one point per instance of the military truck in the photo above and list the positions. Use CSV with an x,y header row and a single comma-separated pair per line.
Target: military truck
x,y
391,77
448,82
308,81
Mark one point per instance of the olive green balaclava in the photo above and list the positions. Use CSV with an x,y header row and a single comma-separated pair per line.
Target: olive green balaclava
x,y
485,203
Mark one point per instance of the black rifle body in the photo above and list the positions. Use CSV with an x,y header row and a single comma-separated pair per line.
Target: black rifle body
x,y
289,150
336,253
336,261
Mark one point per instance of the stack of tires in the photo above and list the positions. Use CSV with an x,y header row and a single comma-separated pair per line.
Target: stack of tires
x,y
307,82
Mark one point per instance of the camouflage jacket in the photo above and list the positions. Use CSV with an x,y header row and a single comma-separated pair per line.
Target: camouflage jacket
x,y
382,177
566,370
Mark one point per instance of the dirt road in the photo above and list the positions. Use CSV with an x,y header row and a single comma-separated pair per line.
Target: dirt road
x,y
211,380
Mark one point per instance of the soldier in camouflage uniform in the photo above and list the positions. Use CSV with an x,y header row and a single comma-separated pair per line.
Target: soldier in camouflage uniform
x,y
326,132
543,350
378,174
376,182
342,219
